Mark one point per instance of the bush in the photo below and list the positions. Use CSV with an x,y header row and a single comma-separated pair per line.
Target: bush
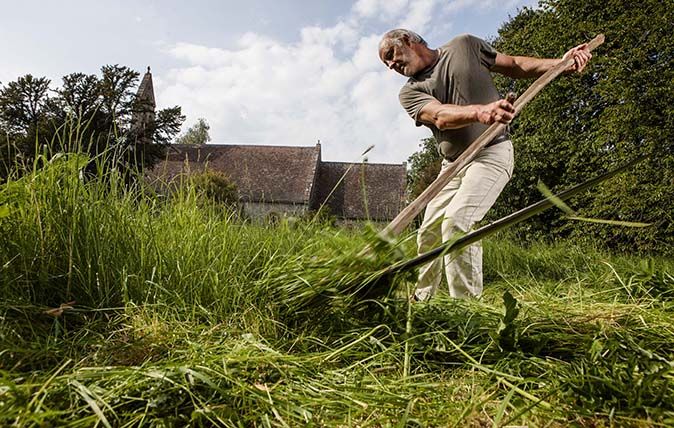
x,y
215,186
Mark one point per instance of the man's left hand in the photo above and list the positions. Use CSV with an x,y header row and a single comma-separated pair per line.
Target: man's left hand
x,y
581,55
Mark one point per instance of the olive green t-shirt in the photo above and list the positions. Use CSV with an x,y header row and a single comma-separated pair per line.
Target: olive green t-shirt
x,y
460,76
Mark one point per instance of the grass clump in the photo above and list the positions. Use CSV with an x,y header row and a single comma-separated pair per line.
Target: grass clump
x,y
334,277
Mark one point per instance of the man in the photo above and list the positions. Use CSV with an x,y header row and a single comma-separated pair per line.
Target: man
x,y
450,90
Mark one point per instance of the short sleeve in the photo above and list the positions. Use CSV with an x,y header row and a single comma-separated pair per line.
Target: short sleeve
x,y
413,101
487,54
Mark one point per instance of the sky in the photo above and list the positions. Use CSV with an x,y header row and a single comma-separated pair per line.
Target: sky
x,y
266,72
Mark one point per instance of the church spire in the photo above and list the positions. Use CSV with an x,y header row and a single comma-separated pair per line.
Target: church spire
x,y
144,113
145,92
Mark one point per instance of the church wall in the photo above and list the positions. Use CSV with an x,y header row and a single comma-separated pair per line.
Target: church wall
x,y
262,210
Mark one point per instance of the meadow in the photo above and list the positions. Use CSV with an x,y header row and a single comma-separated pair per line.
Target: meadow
x,y
121,307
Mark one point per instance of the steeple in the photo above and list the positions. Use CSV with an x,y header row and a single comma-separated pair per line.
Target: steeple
x,y
145,92
142,119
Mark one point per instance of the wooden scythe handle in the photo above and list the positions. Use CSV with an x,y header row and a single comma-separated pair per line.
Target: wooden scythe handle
x,y
413,209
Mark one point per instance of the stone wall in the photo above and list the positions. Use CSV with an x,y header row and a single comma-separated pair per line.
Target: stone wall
x,y
263,210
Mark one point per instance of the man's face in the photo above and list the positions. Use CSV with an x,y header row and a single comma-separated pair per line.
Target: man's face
x,y
402,58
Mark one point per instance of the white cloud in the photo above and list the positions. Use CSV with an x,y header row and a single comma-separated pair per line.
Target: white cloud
x,y
419,15
381,9
199,55
342,33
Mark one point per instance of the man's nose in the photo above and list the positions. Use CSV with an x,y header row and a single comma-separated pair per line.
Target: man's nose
x,y
390,64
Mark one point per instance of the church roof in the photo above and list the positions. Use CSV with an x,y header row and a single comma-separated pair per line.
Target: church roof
x,y
362,191
261,173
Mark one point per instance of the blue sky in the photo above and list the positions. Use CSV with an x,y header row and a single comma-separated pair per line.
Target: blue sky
x,y
259,71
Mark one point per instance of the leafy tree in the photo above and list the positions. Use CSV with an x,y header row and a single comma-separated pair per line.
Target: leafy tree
x,y
117,90
196,134
80,94
22,103
8,152
424,167
616,110
101,113
24,106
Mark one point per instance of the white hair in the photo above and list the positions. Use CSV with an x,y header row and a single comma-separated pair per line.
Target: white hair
x,y
396,37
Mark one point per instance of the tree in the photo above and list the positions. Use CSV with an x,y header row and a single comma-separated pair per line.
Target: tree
x,y
424,167
618,109
81,94
196,134
22,103
99,115
25,106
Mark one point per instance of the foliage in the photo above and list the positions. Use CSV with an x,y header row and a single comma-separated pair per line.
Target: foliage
x,y
105,110
22,103
196,134
215,186
424,167
507,329
616,110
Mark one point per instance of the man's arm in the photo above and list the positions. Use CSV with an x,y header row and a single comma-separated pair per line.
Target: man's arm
x,y
452,116
522,66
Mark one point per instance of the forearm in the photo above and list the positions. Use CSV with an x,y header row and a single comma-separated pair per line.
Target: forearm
x,y
450,116
525,67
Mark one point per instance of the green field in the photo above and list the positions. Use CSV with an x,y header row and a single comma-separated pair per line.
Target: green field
x,y
185,314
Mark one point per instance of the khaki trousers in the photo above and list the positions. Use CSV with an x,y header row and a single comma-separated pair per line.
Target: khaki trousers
x,y
460,204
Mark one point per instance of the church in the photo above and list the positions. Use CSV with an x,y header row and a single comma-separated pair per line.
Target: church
x,y
290,180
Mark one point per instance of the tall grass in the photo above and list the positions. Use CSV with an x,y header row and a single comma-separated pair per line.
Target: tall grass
x,y
123,307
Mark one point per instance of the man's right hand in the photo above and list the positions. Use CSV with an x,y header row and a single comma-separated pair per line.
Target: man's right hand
x,y
499,111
